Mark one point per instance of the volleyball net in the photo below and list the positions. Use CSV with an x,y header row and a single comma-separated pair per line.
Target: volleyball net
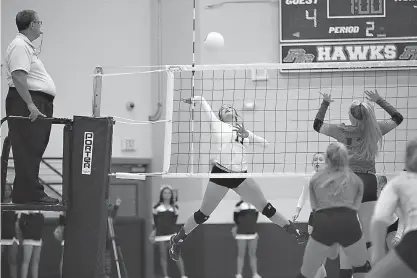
x,y
279,102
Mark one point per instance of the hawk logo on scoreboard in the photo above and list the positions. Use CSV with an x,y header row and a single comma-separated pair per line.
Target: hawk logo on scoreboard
x,y
410,53
87,153
298,55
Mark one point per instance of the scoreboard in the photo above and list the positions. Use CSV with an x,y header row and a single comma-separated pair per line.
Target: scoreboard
x,y
347,20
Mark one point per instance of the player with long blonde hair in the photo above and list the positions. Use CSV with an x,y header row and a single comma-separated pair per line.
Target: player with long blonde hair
x,y
363,140
335,197
232,138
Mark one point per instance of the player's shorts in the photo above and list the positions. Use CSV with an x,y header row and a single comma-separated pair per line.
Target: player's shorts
x,y
370,187
407,249
336,225
393,227
226,182
32,226
246,237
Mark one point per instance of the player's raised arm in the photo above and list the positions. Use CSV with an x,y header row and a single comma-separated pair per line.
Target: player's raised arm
x,y
396,117
209,115
320,126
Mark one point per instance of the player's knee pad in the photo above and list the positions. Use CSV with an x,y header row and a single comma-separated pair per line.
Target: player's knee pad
x,y
362,269
200,217
269,210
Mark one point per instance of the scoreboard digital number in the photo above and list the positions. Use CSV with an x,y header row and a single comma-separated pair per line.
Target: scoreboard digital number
x,y
347,20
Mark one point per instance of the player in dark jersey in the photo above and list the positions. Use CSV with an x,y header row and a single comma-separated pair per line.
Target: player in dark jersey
x,y
31,223
399,195
245,217
363,140
10,233
318,163
59,234
165,215
335,197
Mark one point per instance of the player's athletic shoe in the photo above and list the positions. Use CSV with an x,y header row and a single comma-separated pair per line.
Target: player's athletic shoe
x,y
175,248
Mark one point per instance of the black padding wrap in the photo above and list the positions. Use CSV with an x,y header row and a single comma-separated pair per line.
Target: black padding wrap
x,y
200,217
362,269
397,118
317,124
269,210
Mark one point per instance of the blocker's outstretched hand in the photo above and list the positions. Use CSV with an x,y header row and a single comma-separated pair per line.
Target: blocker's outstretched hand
x,y
327,97
372,96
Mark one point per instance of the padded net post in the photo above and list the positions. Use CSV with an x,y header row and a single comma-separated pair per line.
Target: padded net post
x,y
86,217
279,103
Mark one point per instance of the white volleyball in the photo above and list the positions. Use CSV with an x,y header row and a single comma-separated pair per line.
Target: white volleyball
x,y
214,41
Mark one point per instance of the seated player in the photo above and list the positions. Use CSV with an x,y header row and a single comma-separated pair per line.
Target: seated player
x,y
31,223
165,215
10,233
60,231
318,163
335,196
396,229
399,195
245,217
232,138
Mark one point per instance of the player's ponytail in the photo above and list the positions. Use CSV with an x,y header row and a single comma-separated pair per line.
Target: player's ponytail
x,y
411,156
369,144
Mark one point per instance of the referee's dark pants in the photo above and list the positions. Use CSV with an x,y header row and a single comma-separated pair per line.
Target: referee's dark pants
x,y
29,141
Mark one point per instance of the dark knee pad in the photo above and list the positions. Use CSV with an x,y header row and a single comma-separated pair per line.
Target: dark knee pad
x,y
269,210
345,273
362,269
200,217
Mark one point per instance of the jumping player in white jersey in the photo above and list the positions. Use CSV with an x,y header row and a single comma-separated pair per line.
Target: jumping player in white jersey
x,y
363,139
335,196
400,194
233,139
318,163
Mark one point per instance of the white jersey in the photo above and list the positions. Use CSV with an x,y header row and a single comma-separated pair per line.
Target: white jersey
x,y
231,147
400,194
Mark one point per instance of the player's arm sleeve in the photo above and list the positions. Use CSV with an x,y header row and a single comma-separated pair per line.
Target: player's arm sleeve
x,y
257,139
386,204
20,59
215,123
303,196
396,117
320,126
313,200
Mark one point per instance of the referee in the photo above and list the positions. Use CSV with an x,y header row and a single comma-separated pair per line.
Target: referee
x,y
31,94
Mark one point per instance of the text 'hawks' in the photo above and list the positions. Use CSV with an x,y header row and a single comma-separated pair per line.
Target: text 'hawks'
x,y
377,52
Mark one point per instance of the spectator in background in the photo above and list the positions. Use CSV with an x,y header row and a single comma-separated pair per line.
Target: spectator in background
x,y
165,215
31,224
10,233
245,232
31,94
